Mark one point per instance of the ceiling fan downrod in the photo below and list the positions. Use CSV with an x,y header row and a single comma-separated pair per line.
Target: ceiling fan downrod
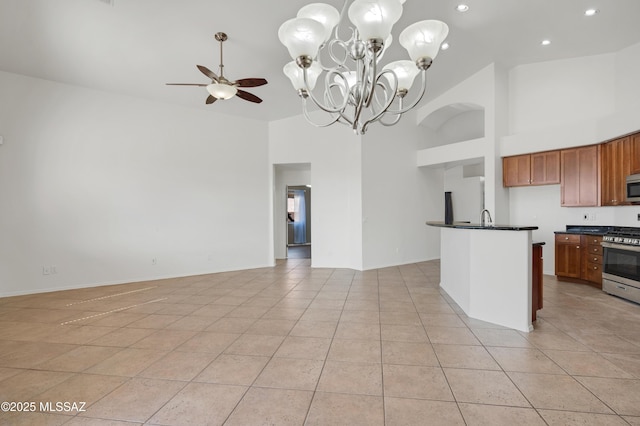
x,y
221,37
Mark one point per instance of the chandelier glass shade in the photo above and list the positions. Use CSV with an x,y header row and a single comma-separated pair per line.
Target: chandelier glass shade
x,y
358,89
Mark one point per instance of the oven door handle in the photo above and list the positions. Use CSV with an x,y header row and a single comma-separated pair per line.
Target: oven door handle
x,y
620,246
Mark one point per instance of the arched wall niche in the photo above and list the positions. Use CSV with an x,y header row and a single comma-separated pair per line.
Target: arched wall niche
x,y
454,123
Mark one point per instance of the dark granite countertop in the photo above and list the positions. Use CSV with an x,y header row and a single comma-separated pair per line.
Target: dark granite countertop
x,y
585,230
465,225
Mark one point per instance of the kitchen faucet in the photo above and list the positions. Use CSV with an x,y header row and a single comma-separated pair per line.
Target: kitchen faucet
x,y
482,218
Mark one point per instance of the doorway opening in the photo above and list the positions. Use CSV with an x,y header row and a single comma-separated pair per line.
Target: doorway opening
x,y
298,221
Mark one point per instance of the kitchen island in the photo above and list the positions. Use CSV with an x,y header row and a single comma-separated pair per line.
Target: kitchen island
x,y
487,271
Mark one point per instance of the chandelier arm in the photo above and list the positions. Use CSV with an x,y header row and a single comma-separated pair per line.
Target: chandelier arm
x,y
360,91
395,120
328,94
309,120
373,70
316,102
377,102
385,107
392,89
339,62
422,93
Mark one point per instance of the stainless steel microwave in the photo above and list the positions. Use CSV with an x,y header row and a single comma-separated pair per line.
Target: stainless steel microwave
x,y
633,188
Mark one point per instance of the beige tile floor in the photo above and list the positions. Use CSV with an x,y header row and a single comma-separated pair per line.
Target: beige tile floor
x,y
296,345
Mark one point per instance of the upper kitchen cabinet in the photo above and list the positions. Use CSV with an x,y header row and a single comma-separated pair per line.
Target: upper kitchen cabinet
x,y
545,168
616,163
541,168
580,176
516,170
635,153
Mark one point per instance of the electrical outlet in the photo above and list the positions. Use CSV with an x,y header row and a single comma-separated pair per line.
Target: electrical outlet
x,y
639,217
46,270
154,261
53,270
585,216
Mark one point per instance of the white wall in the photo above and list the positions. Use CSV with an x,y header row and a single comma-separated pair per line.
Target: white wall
x,y
397,199
463,127
98,185
484,89
334,154
466,194
555,93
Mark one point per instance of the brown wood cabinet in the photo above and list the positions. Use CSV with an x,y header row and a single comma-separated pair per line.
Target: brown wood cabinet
x,y
592,259
616,164
579,258
545,168
568,256
541,168
635,153
580,176
589,176
516,170
536,280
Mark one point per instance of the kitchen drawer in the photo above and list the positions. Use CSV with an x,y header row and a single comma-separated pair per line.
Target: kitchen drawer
x,y
594,250
593,239
594,272
568,238
594,258
622,290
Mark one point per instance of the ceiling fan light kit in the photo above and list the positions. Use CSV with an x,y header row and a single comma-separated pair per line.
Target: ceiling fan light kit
x,y
358,96
220,87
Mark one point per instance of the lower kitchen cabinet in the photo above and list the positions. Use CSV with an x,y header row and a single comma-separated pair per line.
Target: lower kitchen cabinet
x,y
568,256
592,259
579,258
536,280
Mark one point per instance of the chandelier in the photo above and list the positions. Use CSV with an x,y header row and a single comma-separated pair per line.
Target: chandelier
x,y
358,89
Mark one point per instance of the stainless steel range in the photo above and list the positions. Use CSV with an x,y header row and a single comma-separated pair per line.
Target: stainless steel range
x,y
621,263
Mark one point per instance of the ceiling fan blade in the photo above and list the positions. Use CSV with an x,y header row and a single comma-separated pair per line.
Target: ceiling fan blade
x,y
210,99
248,96
186,84
250,82
206,71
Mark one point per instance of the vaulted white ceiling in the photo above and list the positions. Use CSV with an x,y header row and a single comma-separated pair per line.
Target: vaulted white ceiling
x,y
134,47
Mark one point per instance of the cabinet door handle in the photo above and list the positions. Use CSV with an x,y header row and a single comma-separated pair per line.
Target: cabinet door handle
x,y
595,267
595,259
566,238
577,247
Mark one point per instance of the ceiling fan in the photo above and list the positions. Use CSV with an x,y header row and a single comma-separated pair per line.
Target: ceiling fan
x,y
220,87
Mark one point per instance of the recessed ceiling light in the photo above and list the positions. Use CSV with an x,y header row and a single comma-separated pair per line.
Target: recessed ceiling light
x,y
462,8
590,12
444,46
545,42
